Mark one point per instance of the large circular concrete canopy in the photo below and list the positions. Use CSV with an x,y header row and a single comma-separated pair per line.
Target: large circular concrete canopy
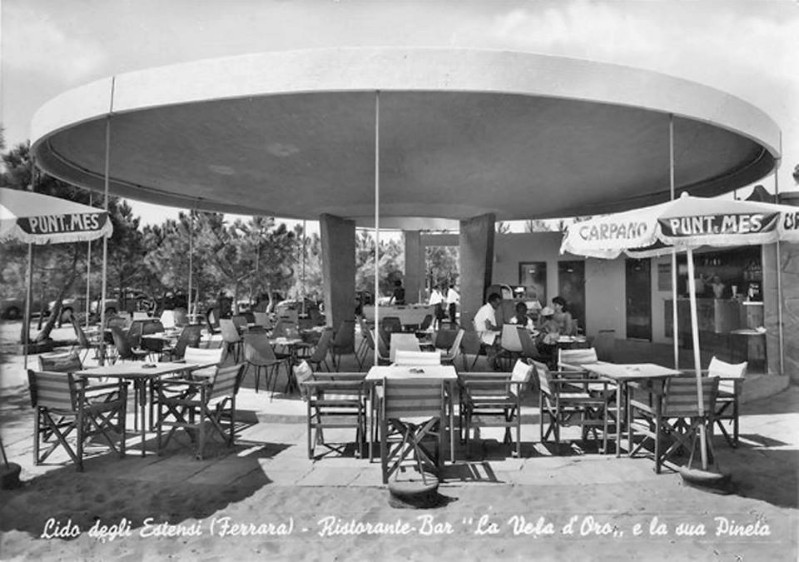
x,y
462,133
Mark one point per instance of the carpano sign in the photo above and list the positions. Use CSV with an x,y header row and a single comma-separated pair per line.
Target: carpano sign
x,y
57,224
613,231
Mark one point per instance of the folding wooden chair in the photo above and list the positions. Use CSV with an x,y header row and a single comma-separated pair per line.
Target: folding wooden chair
x,y
574,359
510,346
731,378
566,401
494,400
414,408
189,404
64,406
669,416
335,400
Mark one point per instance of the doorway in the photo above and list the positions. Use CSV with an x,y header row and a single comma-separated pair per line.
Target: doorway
x,y
638,285
571,286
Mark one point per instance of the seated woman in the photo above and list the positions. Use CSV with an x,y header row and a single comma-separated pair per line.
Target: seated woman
x,y
549,333
566,324
521,318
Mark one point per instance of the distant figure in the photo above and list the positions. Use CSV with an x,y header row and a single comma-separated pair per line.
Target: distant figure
x,y
717,286
563,317
453,300
521,318
398,297
438,299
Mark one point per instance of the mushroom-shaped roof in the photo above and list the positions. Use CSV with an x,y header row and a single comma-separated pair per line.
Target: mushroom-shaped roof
x,y
461,133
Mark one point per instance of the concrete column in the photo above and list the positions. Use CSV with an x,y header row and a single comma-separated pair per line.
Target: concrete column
x,y
338,268
414,265
789,270
476,256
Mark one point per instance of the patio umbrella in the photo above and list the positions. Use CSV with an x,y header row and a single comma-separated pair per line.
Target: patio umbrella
x,y
684,224
39,219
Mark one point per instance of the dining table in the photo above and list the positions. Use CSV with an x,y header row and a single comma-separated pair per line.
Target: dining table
x,y
444,373
621,375
141,374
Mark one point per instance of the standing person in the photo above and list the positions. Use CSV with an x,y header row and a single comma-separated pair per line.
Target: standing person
x,y
438,299
563,317
453,300
398,296
485,324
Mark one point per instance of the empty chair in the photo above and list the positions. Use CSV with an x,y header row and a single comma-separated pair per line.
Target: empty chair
x,y
60,362
140,316
444,338
391,324
470,345
417,358
262,319
671,418
335,401
84,343
70,417
413,408
213,358
343,343
449,356
383,357
240,321
195,405
259,354
125,351
494,400
562,402
403,342
731,378
189,337
574,359
231,337
510,344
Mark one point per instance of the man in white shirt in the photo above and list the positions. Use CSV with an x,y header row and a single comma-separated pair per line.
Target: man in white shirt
x,y
438,300
485,321
453,300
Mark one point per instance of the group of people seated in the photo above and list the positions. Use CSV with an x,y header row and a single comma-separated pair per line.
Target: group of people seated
x,y
553,322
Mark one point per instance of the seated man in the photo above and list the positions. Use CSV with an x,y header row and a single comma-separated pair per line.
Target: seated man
x,y
521,318
485,321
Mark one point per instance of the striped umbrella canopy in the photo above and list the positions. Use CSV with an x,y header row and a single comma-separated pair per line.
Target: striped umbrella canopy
x,y
34,218
685,223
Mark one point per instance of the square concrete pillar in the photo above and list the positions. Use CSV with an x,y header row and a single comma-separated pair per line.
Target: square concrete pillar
x,y
476,257
338,268
414,265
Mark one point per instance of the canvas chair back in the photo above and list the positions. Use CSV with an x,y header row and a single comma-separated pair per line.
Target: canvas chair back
x,y
455,349
240,321
60,363
427,321
719,368
229,332
521,374
53,391
681,399
197,356
140,316
528,345
391,324
226,382
544,378
509,340
416,358
444,338
413,398
470,342
402,342
121,342
573,359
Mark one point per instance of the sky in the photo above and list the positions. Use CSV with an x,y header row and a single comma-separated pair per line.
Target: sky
x,y
749,48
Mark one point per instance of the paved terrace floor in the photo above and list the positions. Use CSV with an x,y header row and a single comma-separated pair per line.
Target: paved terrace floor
x,y
267,478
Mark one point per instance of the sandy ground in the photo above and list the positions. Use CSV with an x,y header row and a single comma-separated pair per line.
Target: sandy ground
x,y
264,499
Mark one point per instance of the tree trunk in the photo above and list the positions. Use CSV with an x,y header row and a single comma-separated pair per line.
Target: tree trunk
x,y
55,314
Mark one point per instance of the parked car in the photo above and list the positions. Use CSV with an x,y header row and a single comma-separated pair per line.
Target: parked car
x,y
13,309
133,301
69,306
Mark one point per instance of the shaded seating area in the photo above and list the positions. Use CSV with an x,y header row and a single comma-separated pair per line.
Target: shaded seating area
x,y
68,416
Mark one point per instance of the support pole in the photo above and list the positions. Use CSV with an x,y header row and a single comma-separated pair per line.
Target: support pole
x,y
26,326
697,358
780,333
377,221
674,314
191,262
88,274
106,182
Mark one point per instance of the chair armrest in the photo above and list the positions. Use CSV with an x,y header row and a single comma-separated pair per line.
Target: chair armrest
x,y
182,382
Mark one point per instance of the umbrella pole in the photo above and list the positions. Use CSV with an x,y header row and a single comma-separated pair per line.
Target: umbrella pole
x,y
780,332
105,239
697,357
26,327
88,274
674,316
303,268
377,220
191,260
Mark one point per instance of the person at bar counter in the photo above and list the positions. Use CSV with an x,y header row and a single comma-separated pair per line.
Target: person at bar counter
x,y
398,296
521,318
566,324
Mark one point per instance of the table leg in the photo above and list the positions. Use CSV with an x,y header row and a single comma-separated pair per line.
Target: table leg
x,y
143,405
451,422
